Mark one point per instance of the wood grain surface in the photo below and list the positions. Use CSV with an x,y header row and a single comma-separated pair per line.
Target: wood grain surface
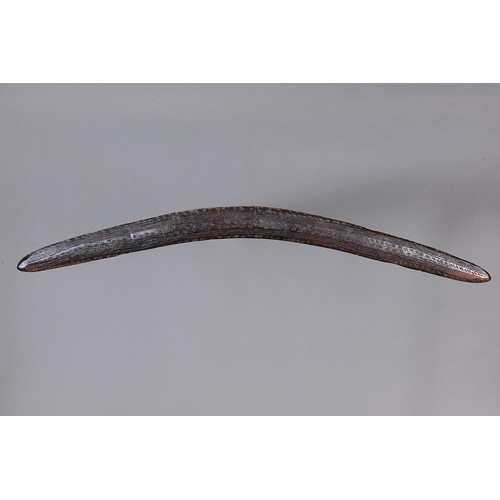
x,y
251,222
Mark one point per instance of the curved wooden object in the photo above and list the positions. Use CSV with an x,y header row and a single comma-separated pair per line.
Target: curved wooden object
x,y
251,222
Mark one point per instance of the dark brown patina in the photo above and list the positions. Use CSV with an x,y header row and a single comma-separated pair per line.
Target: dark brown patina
x,y
251,222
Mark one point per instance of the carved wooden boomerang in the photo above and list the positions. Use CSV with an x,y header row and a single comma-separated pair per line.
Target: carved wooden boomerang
x,y
251,222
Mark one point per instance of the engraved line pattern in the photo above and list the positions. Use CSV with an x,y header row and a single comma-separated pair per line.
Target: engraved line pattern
x,y
251,222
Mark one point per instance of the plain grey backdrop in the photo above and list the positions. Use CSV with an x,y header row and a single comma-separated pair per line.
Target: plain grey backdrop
x,y
246,327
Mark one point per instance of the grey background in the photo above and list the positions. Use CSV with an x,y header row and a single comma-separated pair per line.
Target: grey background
x,y
247,326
